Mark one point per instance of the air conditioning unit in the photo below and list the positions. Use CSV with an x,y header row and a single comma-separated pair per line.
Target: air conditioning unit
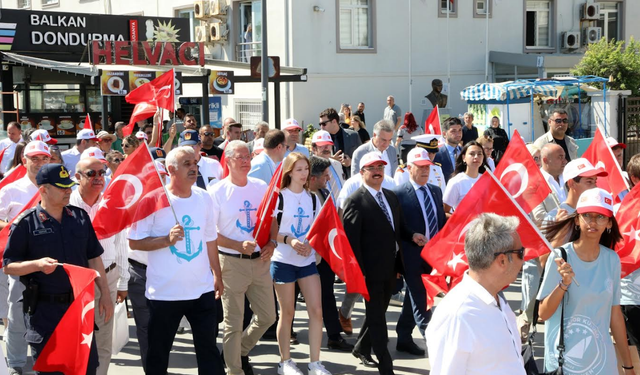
x,y
202,9
591,11
571,39
218,32
592,34
218,8
202,34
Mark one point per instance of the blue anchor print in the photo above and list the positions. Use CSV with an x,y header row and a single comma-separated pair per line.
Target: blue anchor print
x,y
247,210
298,232
189,255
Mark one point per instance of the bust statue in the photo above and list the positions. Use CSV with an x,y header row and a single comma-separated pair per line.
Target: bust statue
x,y
436,97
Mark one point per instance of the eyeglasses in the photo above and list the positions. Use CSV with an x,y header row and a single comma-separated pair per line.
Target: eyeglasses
x,y
106,140
241,158
598,218
324,123
372,168
126,145
561,121
92,173
208,134
117,160
519,253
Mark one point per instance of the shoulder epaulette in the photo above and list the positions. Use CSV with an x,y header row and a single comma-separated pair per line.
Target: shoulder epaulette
x,y
23,215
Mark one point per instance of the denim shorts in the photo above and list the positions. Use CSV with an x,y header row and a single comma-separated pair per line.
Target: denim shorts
x,y
283,273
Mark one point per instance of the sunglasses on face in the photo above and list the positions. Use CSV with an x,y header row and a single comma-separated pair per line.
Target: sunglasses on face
x,y
92,173
519,253
117,160
324,123
208,134
561,121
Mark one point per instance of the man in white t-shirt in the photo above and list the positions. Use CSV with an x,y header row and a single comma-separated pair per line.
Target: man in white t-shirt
x,y
292,130
84,139
13,198
181,241
244,265
13,137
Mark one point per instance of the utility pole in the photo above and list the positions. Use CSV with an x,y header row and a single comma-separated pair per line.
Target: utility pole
x,y
264,75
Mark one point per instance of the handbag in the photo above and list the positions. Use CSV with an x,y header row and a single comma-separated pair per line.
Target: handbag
x,y
530,366
120,328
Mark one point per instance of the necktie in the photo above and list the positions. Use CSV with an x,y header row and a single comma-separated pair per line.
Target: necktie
x,y
432,222
200,181
384,207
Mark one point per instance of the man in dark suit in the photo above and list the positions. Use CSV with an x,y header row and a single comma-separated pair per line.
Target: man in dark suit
x,y
422,207
381,142
345,141
374,225
446,157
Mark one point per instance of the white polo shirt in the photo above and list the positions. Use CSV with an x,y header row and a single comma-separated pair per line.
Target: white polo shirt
x,y
14,196
470,334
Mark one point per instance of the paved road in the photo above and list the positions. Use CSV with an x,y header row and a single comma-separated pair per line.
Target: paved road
x,y
264,356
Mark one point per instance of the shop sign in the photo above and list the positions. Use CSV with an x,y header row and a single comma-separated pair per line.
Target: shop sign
x,y
215,112
221,82
126,52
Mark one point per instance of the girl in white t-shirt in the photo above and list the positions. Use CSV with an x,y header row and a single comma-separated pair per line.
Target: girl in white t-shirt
x,y
294,260
471,163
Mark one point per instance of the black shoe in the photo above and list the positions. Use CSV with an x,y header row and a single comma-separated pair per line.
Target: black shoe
x,y
293,340
366,360
410,348
246,366
338,280
341,345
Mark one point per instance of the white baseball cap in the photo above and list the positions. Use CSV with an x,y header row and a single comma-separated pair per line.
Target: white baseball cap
x,y
612,142
93,152
583,168
258,146
142,135
419,156
43,135
291,124
595,200
34,148
161,168
86,134
371,158
322,138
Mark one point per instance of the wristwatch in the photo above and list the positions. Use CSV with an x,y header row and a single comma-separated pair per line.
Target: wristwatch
x,y
275,243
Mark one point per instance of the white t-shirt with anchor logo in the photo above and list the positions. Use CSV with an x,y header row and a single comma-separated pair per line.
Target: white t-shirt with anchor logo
x,y
237,208
587,314
297,217
180,272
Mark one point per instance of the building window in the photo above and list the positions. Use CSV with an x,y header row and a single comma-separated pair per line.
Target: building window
x,y
450,6
482,7
538,24
249,37
610,20
24,4
355,25
50,2
190,14
248,112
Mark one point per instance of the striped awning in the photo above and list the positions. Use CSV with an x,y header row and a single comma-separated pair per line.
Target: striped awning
x,y
515,89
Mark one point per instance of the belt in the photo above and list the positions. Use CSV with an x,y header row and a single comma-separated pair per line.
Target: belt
x,y
112,266
55,298
137,264
254,255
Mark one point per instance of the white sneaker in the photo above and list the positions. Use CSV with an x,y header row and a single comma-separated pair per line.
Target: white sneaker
x,y
289,367
316,368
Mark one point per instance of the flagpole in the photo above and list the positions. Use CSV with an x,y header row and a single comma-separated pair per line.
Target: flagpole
x,y
486,47
410,58
449,4
166,192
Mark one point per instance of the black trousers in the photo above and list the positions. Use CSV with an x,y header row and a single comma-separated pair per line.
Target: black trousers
x,y
632,321
373,334
140,305
329,307
164,320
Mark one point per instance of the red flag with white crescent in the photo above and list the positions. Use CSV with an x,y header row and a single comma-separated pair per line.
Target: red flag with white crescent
x,y
141,111
600,155
520,175
68,348
628,218
121,202
432,123
327,237
13,175
160,92
267,209
4,233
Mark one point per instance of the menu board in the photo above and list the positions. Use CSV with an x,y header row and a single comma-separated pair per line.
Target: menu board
x,y
137,79
221,82
67,125
114,83
27,122
48,123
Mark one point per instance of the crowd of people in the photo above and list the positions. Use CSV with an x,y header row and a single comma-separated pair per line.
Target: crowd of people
x,y
198,264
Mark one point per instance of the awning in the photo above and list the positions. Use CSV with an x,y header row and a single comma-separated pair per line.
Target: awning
x,y
71,68
498,91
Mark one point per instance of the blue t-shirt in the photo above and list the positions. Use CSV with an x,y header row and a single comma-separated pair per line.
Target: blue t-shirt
x,y
587,313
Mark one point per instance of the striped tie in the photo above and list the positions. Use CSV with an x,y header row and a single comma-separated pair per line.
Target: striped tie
x,y
384,208
432,222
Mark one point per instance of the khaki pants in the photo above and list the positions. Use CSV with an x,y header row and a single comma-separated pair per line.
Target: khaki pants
x,y
242,277
104,334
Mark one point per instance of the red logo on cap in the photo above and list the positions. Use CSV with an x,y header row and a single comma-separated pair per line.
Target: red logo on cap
x,y
581,166
607,200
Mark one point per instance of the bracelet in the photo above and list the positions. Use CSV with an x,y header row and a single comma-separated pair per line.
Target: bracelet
x,y
285,239
627,367
566,287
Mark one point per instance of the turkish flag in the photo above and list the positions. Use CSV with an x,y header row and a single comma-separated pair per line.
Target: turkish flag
x,y
521,176
14,175
328,238
445,251
121,203
4,233
160,92
2,153
87,123
223,163
628,219
141,111
601,156
68,348
432,124
267,209
434,285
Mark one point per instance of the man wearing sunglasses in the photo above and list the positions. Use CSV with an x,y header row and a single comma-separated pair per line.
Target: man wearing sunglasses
x,y
207,137
90,174
345,141
558,124
473,327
